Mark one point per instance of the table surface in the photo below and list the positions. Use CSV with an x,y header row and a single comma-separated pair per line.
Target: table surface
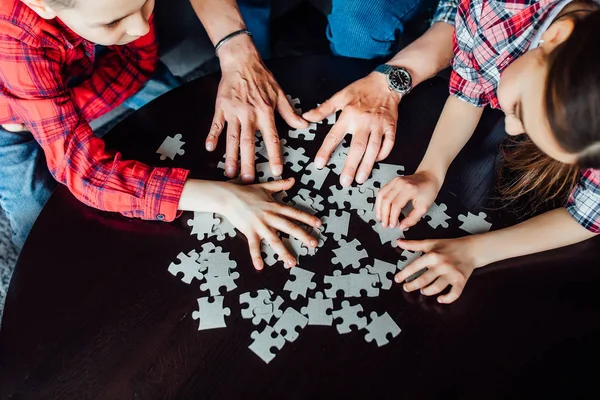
x,y
93,313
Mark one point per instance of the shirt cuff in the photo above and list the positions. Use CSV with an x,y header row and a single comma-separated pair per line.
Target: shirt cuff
x,y
446,12
163,192
584,203
467,90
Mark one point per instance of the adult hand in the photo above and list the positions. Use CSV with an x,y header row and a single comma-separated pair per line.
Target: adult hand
x,y
448,262
421,188
369,113
257,215
247,97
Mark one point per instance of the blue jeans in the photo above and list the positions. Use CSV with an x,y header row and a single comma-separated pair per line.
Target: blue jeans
x,y
25,182
357,28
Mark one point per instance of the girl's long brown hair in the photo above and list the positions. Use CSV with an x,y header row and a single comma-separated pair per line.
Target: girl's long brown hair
x,y
572,105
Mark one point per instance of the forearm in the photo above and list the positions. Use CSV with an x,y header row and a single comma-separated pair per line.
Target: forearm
x,y
551,230
202,196
453,130
427,55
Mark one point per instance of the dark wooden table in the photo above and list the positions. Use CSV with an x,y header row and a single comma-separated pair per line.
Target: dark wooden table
x,y
93,313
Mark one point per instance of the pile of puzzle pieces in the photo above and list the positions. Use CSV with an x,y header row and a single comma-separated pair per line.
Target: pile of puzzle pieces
x,y
357,274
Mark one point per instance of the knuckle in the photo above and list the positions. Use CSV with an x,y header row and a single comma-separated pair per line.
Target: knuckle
x,y
233,135
332,137
360,145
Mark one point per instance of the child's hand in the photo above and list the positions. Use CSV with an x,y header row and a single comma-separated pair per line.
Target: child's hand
x,y
422,188
257,215
448,262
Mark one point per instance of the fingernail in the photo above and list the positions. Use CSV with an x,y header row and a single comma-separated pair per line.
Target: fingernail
x,y
313,243
404,230
230,171
291,261
393,225
320,163
361,177
318,223
210,146
277,170
405,288
378,217
247,178
384,225
397,279
345,180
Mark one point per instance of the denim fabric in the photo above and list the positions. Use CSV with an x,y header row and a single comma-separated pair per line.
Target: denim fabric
x,y
369,29
257,16
25,182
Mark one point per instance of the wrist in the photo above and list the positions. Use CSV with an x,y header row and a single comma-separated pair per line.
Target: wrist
x,y
203,196
483,252
236,51
434,173
381,85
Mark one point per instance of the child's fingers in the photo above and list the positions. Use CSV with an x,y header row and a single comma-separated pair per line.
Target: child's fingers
x,y
297,215
411,219
278,246
452,296
278,186
289,227
400,201
436,287
216,128
417,265
422,281
417,245
254,247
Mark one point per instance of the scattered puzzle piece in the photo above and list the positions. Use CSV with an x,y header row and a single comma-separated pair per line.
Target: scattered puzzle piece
x,y
287,326
330,119
347,254
300,284
349,317
307,133
215,283
384,270
318,310
314,175
382,174
211,314
171,147
352,284
264,174
203,224
437,216
337,225
216,263
295,158
295,103
389,234
380,328
264,341
188,266
474,223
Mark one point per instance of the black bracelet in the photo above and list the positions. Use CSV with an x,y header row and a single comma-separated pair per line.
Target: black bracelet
x,y
231,36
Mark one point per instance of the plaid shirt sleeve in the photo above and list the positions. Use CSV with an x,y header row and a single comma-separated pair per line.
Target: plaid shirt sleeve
x,y
34,83
446,12
105,90
584,203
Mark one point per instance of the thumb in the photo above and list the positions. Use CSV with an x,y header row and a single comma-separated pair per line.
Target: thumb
x,y
416,245
278,186
411,219
288,114
324,110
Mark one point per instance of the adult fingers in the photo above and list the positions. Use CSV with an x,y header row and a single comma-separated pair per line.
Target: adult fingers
x,y
369,157
389,138
358,146
233,148
298,215
454,294
256,256
331,141
292,229
330,106
424,261
216,128
248,130
288,113
421,281
271,139
436,287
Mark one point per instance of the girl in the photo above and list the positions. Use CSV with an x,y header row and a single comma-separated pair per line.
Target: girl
x,y
538,62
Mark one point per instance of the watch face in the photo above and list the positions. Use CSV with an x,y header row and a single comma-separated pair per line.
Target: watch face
x,y
400,80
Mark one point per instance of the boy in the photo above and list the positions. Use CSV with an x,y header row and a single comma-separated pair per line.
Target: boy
x,y
46,43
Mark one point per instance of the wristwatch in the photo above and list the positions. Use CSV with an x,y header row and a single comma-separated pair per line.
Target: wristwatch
x,y
399,79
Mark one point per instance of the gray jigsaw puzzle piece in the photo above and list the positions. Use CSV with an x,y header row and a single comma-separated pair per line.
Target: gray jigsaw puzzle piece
x,y
307,133
380,327
352,284
290,323
314,175
347,254
337,224
437,216
214,283
188,266
211,314
171,147
349,317
301,283
318,310
474,224
383,270
259,308
264,342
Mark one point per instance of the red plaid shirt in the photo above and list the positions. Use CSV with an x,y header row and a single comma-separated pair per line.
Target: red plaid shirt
x,y
38,57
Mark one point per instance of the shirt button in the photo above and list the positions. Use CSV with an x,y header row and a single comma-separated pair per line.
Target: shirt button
x,y
160,216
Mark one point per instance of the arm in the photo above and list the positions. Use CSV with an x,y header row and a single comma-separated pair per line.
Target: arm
x,y
248,93
370,108
453,130
107,88
452,261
